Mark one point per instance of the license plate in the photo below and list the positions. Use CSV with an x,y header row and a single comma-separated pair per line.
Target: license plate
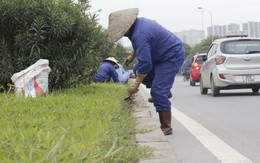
x,y
248,78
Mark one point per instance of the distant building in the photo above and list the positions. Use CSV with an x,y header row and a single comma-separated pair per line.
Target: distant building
x,y
252,28
222,30
191,37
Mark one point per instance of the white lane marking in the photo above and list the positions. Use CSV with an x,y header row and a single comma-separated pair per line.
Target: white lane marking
x,y
224,152
215,145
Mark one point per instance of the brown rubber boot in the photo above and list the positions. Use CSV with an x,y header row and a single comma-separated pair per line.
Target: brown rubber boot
x,y
150,99
165,120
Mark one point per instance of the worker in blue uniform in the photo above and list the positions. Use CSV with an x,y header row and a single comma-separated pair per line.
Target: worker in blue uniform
x,y
160,55
107,71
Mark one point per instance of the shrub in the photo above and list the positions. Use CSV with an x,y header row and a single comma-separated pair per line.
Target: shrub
x,y
58,30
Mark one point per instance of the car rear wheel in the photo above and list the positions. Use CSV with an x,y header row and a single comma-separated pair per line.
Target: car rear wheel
x,y
255,90
214,90
192,82
203,90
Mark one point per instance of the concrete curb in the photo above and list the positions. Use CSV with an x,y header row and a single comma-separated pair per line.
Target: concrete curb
x,y
150,134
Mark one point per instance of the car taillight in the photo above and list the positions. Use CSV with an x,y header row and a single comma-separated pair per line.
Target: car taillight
x,y
221,76
219,59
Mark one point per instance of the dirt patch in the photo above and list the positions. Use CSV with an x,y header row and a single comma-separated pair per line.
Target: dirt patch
x,y
136,101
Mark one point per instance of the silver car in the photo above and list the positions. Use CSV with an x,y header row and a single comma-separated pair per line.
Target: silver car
x,y
232,63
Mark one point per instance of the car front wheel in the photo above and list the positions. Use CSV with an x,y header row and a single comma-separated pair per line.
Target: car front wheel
x,y
203,90
255,90
214,90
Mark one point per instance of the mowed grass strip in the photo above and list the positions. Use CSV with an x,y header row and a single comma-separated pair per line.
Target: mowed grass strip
x,y
87,124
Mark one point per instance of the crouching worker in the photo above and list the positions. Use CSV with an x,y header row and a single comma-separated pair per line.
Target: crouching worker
x,y
107,71
159,53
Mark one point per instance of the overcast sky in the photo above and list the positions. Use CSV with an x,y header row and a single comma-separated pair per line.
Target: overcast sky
x,y
183,14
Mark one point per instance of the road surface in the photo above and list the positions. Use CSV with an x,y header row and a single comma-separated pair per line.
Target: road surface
x,y
213,129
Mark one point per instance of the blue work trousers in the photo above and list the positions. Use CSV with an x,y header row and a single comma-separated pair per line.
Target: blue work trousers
x,y
161,79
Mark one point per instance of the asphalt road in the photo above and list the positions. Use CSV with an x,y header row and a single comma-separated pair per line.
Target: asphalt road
x,y
213,129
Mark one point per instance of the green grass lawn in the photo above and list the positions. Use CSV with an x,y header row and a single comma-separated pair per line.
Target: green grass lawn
x,y
90,123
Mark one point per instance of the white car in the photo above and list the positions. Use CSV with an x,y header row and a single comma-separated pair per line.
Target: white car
x,y
232,63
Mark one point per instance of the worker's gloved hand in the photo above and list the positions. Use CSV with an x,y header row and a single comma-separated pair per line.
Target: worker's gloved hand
x,y
134,87
130,58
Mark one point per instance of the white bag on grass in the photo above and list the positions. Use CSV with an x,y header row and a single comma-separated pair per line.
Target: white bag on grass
x,y
123,75
33,81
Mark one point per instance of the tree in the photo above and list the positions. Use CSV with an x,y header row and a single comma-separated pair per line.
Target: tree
x,y
187,48
202,47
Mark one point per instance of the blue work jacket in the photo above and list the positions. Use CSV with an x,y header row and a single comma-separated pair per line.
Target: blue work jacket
x,y
153,44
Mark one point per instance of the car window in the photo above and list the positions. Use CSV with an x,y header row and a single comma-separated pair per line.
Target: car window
x,y
241,47
200,59
209,54
212,50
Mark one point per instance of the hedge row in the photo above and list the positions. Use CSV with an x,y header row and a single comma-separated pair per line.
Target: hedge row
x,y
62,31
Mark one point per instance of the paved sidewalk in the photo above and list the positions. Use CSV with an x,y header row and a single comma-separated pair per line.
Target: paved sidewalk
x,y
150,134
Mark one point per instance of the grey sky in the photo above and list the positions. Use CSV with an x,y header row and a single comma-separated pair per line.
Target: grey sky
x,y
183,14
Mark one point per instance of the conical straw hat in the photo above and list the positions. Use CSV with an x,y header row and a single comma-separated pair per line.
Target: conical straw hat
x,y
112,59
120,22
